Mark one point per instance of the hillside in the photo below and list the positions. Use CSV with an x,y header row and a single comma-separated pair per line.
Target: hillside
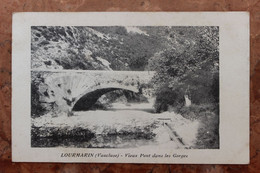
x,y
103,48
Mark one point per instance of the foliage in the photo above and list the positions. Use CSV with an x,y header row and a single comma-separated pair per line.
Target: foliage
x,y
121,95
189,67
36,107
58,136
164,99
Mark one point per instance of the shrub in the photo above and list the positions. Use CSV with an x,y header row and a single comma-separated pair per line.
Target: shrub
x,y
166,98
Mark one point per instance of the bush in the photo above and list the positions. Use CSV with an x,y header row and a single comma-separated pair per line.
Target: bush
x,y
166,98
197,111
37,109
55,136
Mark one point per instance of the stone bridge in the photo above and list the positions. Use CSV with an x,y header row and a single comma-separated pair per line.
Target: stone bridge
x,y
71,90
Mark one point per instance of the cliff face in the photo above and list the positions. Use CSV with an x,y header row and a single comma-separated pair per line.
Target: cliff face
x,y
101,48
87,48
67,48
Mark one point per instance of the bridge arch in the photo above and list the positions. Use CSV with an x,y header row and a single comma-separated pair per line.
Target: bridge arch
x,y
88,99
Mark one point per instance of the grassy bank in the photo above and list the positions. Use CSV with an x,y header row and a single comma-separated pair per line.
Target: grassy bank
x,y
208,117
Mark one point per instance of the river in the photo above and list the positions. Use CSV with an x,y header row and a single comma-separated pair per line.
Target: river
x,y
131,125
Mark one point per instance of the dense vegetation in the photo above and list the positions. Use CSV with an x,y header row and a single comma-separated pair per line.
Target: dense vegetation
x,y
190,68
37,108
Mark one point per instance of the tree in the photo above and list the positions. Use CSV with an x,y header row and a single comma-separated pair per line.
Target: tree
x,y
189,66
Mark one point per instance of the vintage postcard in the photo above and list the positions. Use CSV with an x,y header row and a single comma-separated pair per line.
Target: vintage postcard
x,y
131,87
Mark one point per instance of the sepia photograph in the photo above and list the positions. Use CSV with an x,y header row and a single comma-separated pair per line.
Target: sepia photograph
x,y
125,87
